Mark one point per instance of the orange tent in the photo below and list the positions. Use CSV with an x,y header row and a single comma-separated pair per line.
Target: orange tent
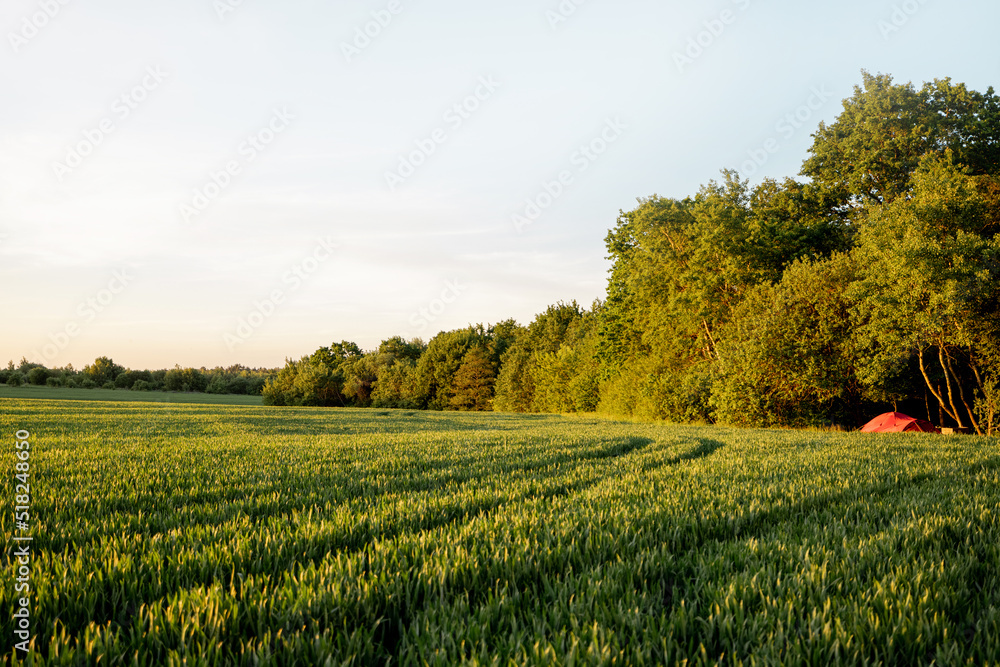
x,y
897,422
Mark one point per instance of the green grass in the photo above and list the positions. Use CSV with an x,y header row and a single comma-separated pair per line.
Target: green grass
x,y
124,395
175,533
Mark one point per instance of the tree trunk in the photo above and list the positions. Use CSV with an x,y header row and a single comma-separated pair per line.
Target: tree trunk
x,y
937,395
988,402
951,396
961,395
711,340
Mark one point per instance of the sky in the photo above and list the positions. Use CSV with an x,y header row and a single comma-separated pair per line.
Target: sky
x,y
213,182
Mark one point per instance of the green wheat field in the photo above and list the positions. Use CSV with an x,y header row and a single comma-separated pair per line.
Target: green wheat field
x,y
168,534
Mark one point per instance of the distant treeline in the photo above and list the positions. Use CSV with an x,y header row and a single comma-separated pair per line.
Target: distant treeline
x,y
548,366
873,283
104,373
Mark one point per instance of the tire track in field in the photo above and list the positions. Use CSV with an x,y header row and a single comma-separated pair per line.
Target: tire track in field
x,y
314,550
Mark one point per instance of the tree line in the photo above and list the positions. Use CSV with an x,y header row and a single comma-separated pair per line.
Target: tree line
x,y
547,366
104,373
872,282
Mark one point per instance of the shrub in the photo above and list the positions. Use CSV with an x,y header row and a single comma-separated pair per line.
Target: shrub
x,y
53,382
72,382
790,357
108,385
14,379
103,370
255,386
238,385
185,379
128,378
142,385
218,385
38,375
88,384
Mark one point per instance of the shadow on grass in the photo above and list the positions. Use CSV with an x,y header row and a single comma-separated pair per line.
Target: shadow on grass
x,y
707,447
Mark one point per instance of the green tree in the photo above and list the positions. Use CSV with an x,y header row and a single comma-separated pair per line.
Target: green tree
x,y
103,370
128,378
515,385
337,375
38,375
185,379
680,268
869,154
25,366
472,386
395,386
554,373
309,381
788,351
399,348
435,372
217,385
566,380
930,288
394,363
502,336
360,377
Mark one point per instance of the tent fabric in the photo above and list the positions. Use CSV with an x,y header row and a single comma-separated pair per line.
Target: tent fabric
x,y
897,422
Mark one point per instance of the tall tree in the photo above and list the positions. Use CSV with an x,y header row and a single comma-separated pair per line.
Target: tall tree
x,y
869,154
515,385
103,370
435,372
681,268
930,287
790,353
472,386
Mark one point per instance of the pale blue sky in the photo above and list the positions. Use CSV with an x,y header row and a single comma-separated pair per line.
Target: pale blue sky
x,y
440,249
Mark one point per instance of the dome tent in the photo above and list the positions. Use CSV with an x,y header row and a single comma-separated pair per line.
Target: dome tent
x,y
897,422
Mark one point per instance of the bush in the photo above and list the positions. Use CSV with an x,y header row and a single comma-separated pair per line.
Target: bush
x,y
4,374
88,384
218,385
37,376
142,385
53,382
790,358
238,385
72,382
103,370
128,378
14,379
255,386
108,385
650,389
185,379
585,390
